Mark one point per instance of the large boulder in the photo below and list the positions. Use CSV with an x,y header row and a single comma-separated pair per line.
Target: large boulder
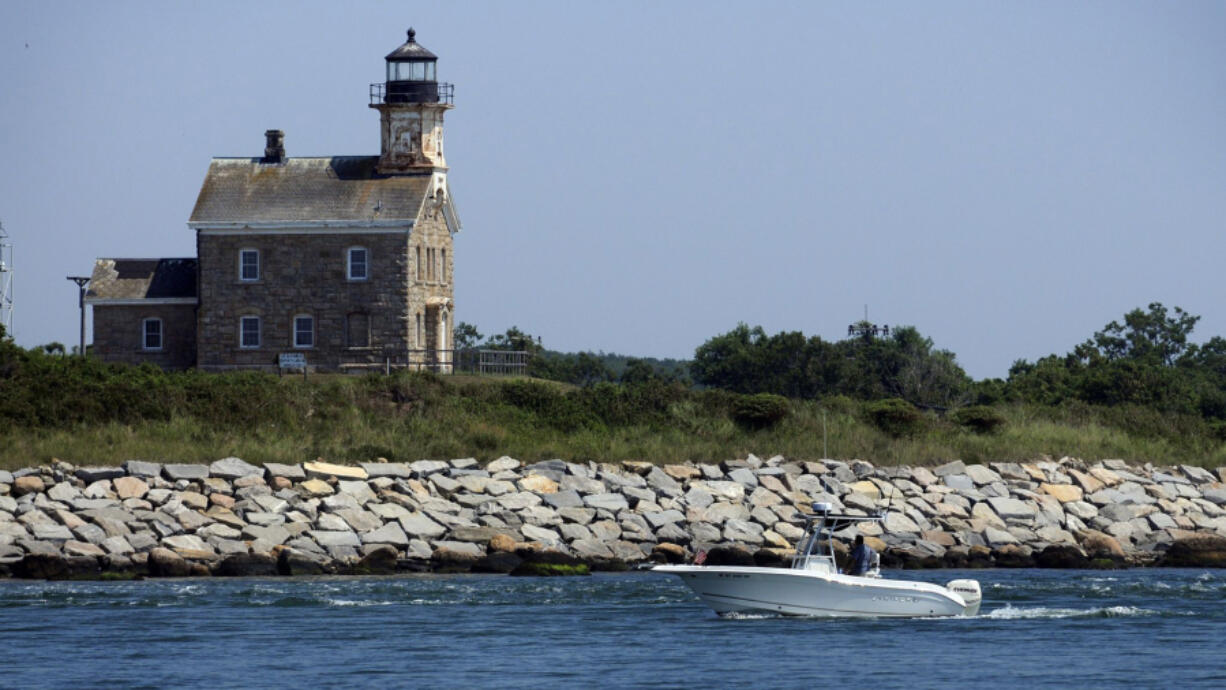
x,y
166,563
1202,551
248,565
1064,556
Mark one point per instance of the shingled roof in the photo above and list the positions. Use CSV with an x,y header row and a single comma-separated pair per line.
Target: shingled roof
x,y
306,190
133,279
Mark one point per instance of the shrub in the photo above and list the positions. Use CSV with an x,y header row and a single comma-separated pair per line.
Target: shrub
x,y
980,419
759,411
895,416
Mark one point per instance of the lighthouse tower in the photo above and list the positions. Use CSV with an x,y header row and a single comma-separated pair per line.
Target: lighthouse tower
x,y
411,103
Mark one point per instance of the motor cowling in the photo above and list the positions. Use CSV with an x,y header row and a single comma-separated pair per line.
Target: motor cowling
x,y
970,593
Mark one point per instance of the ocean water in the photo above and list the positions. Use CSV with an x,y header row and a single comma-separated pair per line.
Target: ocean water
x,y
1037,628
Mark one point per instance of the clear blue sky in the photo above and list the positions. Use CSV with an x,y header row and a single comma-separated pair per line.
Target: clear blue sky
x,y
637,177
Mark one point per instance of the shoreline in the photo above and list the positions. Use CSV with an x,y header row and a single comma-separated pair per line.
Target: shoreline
x,y
231,518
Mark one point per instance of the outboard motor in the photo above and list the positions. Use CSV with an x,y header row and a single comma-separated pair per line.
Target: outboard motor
x,y
969,591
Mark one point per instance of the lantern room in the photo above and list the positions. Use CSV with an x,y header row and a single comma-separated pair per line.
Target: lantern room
x,y
411,74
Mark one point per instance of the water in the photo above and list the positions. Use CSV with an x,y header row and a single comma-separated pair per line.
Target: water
x,y
1037,628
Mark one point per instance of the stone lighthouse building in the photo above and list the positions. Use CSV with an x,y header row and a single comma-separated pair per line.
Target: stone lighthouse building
x,y
345,260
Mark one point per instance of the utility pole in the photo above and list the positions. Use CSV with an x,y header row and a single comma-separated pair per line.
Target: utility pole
x,y
81,282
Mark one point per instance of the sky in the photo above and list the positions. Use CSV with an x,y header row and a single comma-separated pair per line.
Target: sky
x,y
638,177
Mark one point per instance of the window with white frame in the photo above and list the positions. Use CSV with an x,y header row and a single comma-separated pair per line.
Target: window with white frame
x,y
249,332
151,334
249,265
359,263
304,331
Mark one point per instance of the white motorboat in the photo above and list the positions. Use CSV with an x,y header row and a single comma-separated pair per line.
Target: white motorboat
x,y
813,586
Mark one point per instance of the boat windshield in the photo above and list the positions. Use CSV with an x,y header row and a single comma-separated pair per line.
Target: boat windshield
x,y
815,550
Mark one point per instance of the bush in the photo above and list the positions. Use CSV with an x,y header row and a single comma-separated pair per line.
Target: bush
x,y
980,419
895,416
759,411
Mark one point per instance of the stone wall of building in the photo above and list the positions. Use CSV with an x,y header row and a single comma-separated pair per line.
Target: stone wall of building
x,y
303,274
119,334
431,293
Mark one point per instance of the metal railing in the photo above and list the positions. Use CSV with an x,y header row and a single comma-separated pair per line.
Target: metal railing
x,y
471,361
379,94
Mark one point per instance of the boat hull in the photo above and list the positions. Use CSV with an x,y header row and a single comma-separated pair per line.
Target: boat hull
x,y
791,592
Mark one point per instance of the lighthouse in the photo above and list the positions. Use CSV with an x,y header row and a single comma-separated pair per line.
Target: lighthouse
x,y
411,103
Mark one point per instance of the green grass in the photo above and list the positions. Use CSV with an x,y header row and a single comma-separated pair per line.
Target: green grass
x,y
197,417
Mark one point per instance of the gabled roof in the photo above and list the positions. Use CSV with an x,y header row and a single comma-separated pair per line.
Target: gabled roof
x,y
142,279
337,189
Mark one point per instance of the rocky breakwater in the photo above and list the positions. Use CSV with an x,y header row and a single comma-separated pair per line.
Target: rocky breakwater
x,y
235,518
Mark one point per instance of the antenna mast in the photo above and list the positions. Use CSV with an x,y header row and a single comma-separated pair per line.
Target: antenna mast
x,y
6,282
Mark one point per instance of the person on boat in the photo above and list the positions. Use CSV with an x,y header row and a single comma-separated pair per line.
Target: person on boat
x,y
861,557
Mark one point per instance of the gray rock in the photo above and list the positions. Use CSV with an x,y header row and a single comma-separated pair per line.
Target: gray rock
x,y
1081,509
743,532
673,532
388,511
175,473
462,548
1012,509
659,480
613,502
187,542
1215,496
981,475
391,533
658,520
265,519
419,525
445,485
577,515
574,532
234,468
591,549
50,532
960,482
950,468
63,492
897,523
503,464
142,541
386,469
568,498
90,533
543,535
273,534
1119,512
90,475
220,531
141,468
117,546
327,538
360,520
294,473
998,537
426,468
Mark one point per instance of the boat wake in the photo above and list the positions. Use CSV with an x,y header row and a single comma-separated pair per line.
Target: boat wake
x,y
1010,612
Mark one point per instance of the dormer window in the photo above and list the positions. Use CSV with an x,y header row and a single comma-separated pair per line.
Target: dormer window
x,y
358,264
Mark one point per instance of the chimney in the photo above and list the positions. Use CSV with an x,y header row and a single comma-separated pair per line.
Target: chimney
x,y
274,147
